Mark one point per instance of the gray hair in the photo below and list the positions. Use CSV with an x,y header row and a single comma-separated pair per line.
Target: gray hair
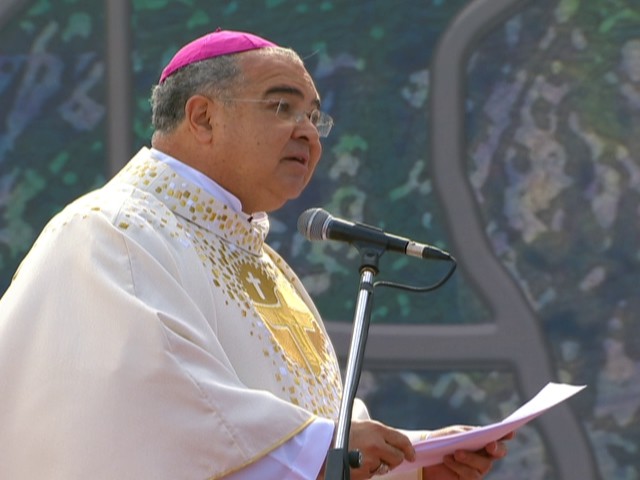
x,y
216,77
212,76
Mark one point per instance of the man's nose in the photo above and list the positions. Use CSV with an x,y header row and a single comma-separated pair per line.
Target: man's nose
x,y
306,129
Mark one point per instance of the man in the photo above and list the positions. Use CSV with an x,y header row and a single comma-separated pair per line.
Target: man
x,y
151,333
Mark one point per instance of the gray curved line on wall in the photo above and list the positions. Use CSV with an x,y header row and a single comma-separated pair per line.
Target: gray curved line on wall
x,y
119,84
517,335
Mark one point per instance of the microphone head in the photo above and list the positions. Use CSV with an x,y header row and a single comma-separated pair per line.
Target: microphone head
x,y
311,223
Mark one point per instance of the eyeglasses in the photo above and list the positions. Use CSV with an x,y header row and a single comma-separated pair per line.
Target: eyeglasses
x,y
287,112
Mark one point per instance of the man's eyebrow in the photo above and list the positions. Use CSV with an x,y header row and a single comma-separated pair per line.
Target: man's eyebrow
x,y
289,90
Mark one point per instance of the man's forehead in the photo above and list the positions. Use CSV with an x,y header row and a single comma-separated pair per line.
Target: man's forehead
x,y
275,73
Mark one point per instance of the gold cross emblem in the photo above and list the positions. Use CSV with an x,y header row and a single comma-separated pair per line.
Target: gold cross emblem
x,y
287,317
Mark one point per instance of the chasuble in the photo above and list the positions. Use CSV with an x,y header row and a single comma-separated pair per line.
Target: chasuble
x,y
158,335
151,333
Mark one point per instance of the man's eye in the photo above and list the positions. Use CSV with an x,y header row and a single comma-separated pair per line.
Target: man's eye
x,y
284,107
314,117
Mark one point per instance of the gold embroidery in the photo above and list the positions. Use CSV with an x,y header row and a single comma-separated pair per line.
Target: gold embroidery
x,y
279,324
287,318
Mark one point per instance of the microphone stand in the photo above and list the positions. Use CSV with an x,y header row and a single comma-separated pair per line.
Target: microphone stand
x,y
339,459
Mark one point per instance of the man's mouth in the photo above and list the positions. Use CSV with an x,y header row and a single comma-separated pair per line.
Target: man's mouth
x,y
301,160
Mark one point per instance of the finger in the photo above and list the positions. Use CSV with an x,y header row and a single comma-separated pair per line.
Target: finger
x,y
496,449
450,430
400,443
379,443
387,453
392,456
381,453
462,470
509,436
477,461
374,458
382,469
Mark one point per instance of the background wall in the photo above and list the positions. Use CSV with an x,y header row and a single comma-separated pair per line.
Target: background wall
x,y
501,130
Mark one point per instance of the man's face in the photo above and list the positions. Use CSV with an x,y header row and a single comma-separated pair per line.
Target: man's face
x,y
263,159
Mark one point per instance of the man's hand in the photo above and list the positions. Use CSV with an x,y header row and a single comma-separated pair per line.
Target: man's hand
x,y
465,465
383,448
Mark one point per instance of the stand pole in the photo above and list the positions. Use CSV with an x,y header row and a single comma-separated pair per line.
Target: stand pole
x,y
340,460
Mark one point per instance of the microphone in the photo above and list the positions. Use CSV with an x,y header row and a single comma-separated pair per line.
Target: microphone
x,y
318,224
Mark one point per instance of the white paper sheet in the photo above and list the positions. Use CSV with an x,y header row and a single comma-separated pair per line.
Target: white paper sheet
x,y
430,451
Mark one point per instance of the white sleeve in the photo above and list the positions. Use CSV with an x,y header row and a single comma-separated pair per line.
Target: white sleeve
x,y
294,460
105,354
300,458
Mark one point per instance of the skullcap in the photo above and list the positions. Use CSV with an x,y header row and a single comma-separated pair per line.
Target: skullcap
x,y
216,44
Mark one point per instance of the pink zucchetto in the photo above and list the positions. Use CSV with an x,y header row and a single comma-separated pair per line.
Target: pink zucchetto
x,y
216,44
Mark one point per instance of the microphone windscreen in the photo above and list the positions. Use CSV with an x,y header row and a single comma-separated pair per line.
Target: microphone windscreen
x,y
311,223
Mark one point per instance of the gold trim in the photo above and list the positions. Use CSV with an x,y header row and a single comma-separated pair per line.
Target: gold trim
x,y
264,452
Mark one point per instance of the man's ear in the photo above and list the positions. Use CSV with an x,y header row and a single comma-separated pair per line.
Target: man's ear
x,y
199,111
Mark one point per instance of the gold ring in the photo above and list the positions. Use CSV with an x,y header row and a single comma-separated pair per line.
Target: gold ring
x,y
382,469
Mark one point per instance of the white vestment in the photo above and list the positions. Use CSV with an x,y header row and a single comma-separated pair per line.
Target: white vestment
x,y
151,333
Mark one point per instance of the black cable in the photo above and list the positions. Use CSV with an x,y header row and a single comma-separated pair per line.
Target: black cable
x,y
411,288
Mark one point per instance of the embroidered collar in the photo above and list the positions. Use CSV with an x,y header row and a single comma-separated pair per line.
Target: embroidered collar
x,y
194,203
